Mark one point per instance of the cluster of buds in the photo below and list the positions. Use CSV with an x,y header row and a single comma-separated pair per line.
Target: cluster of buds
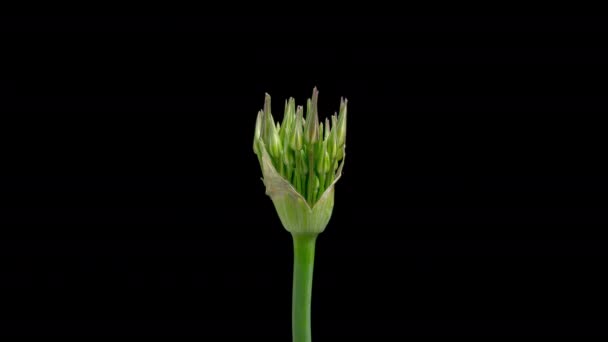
x,y
301,160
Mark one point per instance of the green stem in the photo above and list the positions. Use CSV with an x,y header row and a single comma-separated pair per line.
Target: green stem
x,y
303,264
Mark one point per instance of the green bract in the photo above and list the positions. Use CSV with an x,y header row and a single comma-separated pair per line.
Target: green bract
x,y
301,161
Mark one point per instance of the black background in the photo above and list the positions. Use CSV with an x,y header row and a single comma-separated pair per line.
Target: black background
x,y
473,200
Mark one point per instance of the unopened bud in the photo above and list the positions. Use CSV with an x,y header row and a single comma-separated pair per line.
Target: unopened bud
x,y
342,122
301,160
296,138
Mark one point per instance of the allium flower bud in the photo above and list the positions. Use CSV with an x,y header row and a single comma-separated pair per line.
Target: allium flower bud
x,y
301,161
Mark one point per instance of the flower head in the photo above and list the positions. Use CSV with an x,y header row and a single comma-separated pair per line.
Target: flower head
x,y
301,160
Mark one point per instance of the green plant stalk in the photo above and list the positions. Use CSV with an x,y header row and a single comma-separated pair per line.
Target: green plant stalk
x,y
303,267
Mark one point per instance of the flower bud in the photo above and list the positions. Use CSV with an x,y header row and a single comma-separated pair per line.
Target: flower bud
x,y
319,158
312,118
258,132
326,163
342,122
288,158
301,161
274,143
296,139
